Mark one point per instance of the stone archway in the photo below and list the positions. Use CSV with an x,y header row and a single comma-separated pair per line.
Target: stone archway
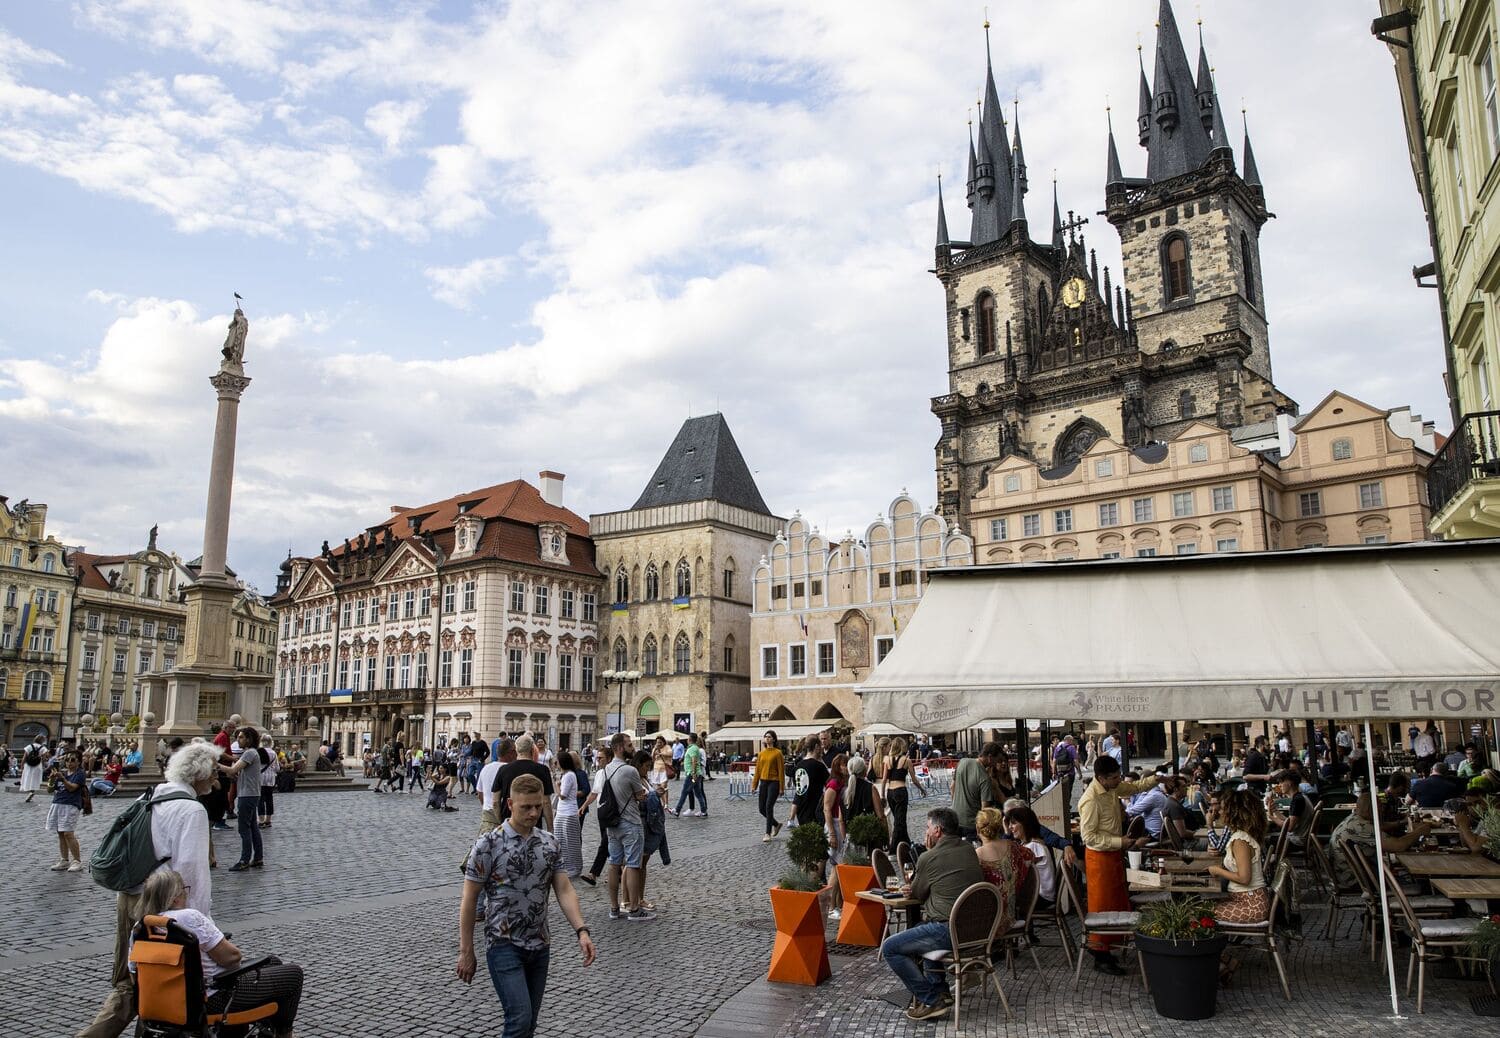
x,y
647,717
1076,440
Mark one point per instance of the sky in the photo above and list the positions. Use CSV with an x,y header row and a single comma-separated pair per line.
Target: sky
x,y
478,240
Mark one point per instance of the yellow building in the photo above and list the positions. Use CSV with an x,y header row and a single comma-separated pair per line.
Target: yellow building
x,y
1346,473
34,623
1445,64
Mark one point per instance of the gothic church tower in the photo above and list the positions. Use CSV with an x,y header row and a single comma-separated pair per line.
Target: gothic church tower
x,y
1045,356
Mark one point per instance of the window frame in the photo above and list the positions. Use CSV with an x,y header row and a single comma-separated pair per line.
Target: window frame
x,y
1175,271
833,663
1371,495
770,662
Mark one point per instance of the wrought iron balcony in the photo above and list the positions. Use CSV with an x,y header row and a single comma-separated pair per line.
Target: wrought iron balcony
x,y
1471,453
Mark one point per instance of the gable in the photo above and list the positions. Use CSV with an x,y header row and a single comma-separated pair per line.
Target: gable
x,y
1337,409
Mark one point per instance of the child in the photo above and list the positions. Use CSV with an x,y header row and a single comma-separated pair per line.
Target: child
x,y
67,805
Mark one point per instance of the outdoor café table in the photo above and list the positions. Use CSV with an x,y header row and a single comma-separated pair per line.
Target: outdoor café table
x,y
1467,865
1457,889
912,905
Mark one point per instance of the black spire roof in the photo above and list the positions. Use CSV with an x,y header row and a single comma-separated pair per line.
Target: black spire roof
x,y
1178,140
703,464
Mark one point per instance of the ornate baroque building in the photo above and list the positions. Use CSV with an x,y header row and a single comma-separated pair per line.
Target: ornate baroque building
x,y
827,612
34,623
1045,355
676,566
477,613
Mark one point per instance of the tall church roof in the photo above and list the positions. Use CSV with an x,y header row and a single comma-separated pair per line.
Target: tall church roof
x,y
703,464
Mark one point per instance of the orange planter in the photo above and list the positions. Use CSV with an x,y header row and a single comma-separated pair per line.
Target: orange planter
x,y
801,952
861,922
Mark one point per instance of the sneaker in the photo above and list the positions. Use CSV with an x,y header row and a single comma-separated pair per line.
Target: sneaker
x,y
61,866
614,913
766,838
834,913
77,866
641,915
776,828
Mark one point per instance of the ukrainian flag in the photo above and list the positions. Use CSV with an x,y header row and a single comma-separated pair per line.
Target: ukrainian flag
x,y
28,621
682,602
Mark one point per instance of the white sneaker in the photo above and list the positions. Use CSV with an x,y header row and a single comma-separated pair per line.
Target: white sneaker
x,y
77,866
833,913
61,866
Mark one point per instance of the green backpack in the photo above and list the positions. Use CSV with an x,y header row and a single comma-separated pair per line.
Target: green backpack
x,y
127,854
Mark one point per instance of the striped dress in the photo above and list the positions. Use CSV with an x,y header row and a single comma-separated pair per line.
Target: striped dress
x,y
567,826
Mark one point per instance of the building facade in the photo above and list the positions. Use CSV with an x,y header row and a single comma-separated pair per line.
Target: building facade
x,y
1445,58
35,623
827,612
676,566
478,613
1346,473
1045,356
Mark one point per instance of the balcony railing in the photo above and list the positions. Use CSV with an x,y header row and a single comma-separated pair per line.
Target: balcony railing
x,y
1471,453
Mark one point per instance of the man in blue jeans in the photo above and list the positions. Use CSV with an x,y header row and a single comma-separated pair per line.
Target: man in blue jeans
x,y
945,870
516,865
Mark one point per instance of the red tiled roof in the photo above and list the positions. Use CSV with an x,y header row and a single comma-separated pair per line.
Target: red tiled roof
x,y
517,500
86,568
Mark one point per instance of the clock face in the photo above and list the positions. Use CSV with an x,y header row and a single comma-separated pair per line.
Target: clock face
x,y
1073,291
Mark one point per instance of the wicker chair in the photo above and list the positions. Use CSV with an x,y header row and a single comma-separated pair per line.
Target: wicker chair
x,y
972,926
1429,935
1265,931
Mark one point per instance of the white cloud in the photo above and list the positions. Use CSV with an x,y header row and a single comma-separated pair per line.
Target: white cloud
x,y
457,286
394,122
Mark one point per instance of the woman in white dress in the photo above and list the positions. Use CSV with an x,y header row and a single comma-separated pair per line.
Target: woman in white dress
x,y
31,774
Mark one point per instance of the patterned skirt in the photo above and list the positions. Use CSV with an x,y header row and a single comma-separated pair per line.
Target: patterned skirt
x,y
570,843
1244,906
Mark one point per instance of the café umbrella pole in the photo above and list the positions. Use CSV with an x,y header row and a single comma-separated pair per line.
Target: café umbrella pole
x,y
1380,867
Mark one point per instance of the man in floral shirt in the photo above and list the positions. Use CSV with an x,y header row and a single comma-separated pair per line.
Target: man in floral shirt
x,y
516,865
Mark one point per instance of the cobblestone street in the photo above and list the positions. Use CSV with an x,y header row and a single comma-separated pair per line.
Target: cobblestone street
x,y
362,890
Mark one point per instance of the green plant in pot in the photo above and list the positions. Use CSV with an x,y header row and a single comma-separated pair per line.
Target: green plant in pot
x,y
801,952
865,832
1179,944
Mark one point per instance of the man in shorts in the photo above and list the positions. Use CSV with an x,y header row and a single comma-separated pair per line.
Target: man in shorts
x,y
627,838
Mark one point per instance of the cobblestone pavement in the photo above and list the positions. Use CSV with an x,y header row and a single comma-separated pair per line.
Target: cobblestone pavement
x,y
362,890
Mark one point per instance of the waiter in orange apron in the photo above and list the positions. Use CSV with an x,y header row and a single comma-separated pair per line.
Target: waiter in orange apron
x,y
1101,823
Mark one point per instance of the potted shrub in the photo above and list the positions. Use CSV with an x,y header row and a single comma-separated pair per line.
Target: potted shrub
x,y
1179,944
1485,944
801,952
861,922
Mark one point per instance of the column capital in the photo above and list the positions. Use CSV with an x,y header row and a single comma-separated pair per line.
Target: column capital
x,y
229,385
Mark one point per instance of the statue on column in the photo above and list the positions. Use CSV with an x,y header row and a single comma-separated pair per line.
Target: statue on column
x,y
234,343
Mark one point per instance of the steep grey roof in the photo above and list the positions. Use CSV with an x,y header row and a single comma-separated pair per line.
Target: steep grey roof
x,y
703,464
942,223
1179,142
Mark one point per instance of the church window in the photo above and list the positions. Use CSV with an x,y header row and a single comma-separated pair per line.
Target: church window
x,y
622,588
1486,65
1343,450
1248,262
653,583
986,307
1031,525
648,655
1041,302
729,652
684,579
1185,404
1198,452
1175,276
1062,520
729,578
620,660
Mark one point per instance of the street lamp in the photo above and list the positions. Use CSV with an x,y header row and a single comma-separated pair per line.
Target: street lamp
x,y
620,678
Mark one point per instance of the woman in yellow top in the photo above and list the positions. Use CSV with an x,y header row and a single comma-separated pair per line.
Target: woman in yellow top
x,y
768,778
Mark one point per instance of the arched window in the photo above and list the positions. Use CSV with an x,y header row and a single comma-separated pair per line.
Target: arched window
x,y
11,594
729,577
621,662
684,579
985,307
648,655
1185,404
729,652
37,687
1175,275
1041,302
682,654
653,583
622,585
49,563
1247,259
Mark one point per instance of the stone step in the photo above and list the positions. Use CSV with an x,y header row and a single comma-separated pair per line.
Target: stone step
x,y
134,785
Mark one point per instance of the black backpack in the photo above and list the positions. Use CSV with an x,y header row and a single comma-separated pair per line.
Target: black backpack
x,y
33,756
609,807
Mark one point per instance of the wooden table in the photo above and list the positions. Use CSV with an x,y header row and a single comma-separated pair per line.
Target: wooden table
x,y
912,905
1471,866
1452,887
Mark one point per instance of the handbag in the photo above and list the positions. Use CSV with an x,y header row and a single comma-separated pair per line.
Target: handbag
x,y
88,801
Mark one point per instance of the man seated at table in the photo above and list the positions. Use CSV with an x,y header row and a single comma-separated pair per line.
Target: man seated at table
x,y
1481,793
1161,805
945,870
1358,831
1436,789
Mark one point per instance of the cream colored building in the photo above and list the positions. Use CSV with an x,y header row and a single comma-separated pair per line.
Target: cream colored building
x,y
1346,473
677,568
35,613
827,612
477,613
1445,55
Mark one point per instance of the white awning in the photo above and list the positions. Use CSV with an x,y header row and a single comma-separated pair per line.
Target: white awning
x,y
1403,631
786,731
881,729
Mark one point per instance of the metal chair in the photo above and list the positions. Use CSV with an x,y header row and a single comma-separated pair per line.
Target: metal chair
x,y
1428,935
1266,930
1100,924
1026,899
972,925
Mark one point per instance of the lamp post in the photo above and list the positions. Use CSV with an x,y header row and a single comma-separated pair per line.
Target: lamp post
x,y
620,678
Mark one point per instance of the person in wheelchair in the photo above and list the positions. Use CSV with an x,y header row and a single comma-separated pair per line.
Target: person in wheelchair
x,y
235,994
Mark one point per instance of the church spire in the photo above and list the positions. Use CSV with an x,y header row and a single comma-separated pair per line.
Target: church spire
x,y
1143,120
1018,157
973,163
1057,232
1205,84
1018,199
1178,142
1112,174
942,225
1252,174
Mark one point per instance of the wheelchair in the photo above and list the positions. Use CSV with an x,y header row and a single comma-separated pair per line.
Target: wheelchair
x,y
171,992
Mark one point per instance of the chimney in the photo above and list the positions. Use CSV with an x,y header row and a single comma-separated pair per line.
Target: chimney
x,y
551,487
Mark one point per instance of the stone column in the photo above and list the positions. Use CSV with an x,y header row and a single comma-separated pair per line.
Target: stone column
x,y
230,382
